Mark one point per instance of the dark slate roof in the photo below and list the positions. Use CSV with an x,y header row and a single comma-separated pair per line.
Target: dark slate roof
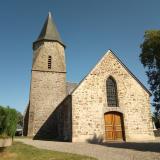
x,y
70,87
49,31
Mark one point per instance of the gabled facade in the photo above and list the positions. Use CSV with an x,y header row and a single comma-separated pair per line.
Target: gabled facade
x,y
111,104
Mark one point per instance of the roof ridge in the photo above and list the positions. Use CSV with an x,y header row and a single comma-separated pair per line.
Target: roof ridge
x,y
125,67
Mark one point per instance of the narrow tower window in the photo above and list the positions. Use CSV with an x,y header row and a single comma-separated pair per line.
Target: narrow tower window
x,y
49,62
111,87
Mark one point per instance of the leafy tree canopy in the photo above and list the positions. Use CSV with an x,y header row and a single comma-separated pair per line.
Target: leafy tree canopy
x,y
20,119
150,53
150,58
8,121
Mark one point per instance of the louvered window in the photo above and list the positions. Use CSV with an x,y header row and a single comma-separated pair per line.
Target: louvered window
x,y
49,62
111,92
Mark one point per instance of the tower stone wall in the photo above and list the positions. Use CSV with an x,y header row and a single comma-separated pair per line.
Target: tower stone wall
x,y
48,86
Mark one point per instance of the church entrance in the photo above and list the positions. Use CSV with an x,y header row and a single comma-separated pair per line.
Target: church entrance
x,y
114,128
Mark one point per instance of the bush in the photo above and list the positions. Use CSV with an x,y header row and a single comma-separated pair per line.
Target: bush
x,y
20,119
156,119
2,120
8,121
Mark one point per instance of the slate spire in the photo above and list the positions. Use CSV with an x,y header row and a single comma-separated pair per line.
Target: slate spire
x,y
49,31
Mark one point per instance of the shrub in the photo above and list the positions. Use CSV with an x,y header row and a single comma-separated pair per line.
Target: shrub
x,y
2,120
8,121
156,119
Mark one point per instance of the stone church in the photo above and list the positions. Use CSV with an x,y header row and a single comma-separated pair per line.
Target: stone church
x,y
110,103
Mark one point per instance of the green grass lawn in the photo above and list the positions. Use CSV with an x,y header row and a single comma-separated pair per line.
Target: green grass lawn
x,y
20,151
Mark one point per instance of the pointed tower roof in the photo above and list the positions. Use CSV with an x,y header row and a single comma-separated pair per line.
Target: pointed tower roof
x,y
49,31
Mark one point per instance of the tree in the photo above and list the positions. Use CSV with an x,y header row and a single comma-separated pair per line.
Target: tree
x,y
2,120
20,119
150,58
155,119
11,121
8,121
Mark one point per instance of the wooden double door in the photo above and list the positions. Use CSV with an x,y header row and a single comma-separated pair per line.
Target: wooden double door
x,y
114,128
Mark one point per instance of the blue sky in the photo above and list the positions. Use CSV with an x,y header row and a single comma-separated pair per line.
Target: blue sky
x,y
88,28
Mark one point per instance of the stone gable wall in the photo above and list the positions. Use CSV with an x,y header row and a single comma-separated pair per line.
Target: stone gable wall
x,y
89,103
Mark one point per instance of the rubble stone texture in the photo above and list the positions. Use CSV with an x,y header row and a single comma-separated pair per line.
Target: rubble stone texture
x,y
67,111
48,86
89,103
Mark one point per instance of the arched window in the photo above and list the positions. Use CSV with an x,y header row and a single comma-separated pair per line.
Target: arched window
x,y
49,62
111,92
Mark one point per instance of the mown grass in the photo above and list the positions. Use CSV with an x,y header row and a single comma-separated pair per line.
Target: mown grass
x,y
20,151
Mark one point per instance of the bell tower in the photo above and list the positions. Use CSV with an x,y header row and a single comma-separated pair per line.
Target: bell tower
x,y
48,82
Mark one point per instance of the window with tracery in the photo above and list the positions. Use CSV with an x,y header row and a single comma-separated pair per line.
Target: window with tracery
x,y
111,87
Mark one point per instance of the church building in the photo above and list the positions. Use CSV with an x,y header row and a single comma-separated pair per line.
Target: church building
x,y
110,103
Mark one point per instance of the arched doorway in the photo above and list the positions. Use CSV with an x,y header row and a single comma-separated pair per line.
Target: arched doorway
x,y
114,128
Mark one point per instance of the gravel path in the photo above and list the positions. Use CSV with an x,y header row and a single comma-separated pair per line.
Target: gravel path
x,y
109,151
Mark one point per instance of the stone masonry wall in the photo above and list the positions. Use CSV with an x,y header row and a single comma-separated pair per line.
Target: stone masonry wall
x,y
40,57
89,103
64,120
47,91
48,86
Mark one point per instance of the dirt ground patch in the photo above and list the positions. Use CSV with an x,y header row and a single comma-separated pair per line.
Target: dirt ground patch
x,y
8,155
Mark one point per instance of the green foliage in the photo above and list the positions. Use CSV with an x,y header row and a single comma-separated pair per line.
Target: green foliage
x,y
20,119
2,120
156,119
150,58
150,49
8,121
